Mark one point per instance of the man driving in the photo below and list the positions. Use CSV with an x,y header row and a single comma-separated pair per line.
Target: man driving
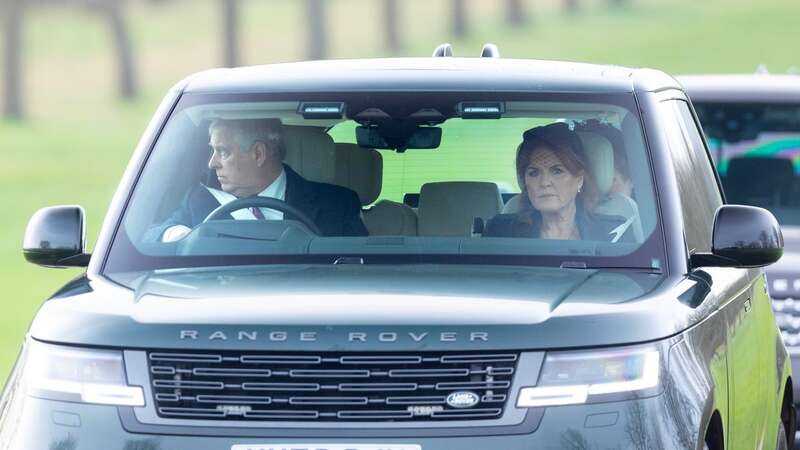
x,y
247,160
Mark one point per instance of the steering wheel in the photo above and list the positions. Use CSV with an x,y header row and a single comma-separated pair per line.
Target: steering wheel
x,y
263,202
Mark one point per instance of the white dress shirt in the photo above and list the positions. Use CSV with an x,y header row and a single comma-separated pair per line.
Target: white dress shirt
x,y
275,190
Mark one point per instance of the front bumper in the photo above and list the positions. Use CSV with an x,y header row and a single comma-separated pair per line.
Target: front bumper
x,y
47,424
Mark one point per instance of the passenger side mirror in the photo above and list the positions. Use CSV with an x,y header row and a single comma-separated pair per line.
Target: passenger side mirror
x,y
743,236
56,237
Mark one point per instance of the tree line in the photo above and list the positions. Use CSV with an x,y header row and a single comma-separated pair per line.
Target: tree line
x,y
112,12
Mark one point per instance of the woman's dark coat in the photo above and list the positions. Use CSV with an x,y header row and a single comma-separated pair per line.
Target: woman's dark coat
x,y
591,227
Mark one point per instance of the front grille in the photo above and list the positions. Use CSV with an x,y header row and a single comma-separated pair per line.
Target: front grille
x,y
787,315
329,386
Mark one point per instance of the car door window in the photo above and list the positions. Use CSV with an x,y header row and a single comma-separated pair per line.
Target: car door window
x,y
697,184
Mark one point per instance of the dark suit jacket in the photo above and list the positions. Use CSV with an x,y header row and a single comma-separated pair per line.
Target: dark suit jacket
x,y
592,227
334,209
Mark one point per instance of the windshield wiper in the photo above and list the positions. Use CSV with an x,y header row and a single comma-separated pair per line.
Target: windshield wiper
x,y
583,265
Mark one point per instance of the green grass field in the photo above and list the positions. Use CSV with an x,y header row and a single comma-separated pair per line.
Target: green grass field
x,y
78,136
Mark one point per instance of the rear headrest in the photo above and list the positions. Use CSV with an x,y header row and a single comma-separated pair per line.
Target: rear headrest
x,y
360,169
600,158
448,208
310,152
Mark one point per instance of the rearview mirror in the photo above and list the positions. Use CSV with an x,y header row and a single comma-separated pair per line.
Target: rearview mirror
x,y
385,138
56,237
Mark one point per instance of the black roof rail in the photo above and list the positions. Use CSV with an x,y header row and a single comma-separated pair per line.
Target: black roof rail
x,y
490,51
443,50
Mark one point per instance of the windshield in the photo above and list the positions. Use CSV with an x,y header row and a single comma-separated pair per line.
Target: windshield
x,y
757,151
549,180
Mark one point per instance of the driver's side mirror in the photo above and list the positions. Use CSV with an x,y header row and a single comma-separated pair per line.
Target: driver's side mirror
x,y
743,236
56,237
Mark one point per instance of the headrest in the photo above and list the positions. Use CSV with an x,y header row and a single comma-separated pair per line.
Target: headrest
x,y
360,169
388,218
512,205
600,159
310,152
449,208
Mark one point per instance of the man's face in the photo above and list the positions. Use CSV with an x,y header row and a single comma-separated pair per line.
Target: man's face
x,y
237,169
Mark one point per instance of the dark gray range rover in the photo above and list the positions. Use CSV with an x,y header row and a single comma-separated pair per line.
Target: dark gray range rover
x,y
415,254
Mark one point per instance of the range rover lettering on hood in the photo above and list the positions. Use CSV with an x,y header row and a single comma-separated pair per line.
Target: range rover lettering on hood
x,y
353,336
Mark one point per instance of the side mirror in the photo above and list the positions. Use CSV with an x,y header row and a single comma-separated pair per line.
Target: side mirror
x,y
56,237
743,236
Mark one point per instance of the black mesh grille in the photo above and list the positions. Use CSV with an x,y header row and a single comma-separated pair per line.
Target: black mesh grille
x,y
787,316
330,387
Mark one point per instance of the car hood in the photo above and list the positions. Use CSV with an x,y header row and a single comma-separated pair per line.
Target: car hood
x,y
370,308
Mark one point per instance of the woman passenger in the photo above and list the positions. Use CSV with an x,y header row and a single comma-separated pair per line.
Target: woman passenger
x,y
558,191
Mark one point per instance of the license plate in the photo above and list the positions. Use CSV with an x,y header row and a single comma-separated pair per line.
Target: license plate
x,y
326,447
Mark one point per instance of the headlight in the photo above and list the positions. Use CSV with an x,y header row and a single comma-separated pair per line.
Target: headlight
x,y
79,375
569,378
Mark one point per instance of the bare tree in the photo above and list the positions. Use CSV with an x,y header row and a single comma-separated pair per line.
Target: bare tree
x,y
123,48
392,31
230,32
515,13
13,14
459,17
316,28
12,20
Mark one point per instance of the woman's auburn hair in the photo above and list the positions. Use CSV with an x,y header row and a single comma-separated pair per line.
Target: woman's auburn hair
x,y
567,147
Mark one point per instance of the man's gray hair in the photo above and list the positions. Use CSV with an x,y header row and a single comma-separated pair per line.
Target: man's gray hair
x,y
247,132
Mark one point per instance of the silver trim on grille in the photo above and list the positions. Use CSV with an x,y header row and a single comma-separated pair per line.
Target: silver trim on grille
x,y
137,369
241,386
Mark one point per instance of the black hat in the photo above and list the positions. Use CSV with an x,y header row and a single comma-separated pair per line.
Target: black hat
x,y
555,135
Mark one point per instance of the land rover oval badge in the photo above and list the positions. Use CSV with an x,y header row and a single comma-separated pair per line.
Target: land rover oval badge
x,y
463,399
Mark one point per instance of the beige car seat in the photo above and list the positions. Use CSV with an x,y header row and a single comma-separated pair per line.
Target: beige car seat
x,y
361,169
449,208
310,152
600,156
